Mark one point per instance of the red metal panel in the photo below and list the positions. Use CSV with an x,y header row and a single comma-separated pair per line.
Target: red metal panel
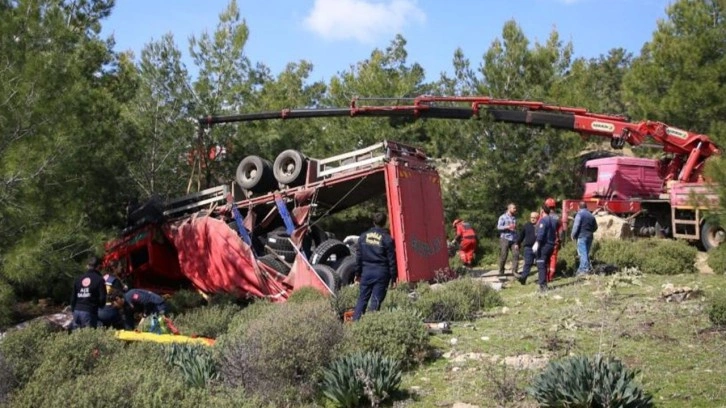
x,y
416,218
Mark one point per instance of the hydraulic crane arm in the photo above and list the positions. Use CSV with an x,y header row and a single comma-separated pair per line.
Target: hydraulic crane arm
x,y
695,147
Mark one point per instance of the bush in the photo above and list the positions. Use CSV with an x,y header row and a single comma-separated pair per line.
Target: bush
x,y
207,321
345,299
7,300
306,294
666,256
23,349
249,313
398,334
621,253
280,355
358,377
567,260
717,259
717,310
582,381
184,300
195,362
457,300
8,382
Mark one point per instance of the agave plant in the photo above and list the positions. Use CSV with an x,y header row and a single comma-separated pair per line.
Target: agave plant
x,y
586,382
195,363
361,377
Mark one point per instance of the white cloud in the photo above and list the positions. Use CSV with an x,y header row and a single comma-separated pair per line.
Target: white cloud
x,y
362,20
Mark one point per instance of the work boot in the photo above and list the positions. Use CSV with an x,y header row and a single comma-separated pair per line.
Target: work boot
x,y
522,279
543,289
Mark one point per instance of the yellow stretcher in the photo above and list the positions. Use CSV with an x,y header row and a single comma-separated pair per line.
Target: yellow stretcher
x,y
129,335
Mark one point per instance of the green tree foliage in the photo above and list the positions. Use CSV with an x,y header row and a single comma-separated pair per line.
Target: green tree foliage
x,y
61,170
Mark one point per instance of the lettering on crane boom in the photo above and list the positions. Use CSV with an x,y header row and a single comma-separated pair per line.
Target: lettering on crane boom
x,y
681,134
603,126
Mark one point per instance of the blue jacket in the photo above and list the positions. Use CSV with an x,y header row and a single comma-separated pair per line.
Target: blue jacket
x,y
376,254
547,230
585,224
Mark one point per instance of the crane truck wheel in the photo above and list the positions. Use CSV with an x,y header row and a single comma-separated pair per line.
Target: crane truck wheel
x,y
712,236
290,168
328,276
330,252
255,174
346,270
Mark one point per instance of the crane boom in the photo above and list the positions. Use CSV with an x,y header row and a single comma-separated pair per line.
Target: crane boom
x,y
693,148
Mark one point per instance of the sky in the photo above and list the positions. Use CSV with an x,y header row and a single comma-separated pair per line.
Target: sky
x,y
336,34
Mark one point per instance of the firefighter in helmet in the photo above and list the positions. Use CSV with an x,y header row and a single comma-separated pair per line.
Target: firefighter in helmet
x,y
466,240
550,204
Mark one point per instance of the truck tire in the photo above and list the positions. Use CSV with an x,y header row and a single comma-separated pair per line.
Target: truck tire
x,y
279,239
346,270
328,276
255,174
274,263
290,168
712,235
330,252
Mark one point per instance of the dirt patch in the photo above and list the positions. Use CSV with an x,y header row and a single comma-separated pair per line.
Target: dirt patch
x,y
702,263
519,362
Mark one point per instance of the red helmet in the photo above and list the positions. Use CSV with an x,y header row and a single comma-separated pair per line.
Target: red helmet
x,y
550,202
456,221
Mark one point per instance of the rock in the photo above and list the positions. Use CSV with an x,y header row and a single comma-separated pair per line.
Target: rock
x,y
611,227
453,341
455,369
505,310
463,405
447,355
557,297
436,286
672,293
485,338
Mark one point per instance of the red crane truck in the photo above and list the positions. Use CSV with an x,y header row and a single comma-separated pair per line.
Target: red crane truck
x,y
274,247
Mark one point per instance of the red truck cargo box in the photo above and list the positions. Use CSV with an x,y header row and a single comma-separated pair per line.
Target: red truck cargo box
x,y
624,178
416,215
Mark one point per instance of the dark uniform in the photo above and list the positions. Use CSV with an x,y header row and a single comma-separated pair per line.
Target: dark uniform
x,y
547,228
89,293
526,239
141,301
108,315
376,268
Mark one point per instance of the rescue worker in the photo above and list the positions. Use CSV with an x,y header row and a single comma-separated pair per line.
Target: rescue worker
x,y
376,266
527,238
551,204
466,239
141,301
110,315
507,227
583,229
544,246
89,293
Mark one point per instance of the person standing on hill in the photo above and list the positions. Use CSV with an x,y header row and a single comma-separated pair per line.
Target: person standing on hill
x,y
547,228
527,238
466,238
89,294
583,229
376,266
507,227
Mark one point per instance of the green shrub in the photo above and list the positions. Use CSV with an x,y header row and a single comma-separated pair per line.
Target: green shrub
x,y
717,259
251,312
281,354
207,321
398,334
358,377
567,259
183,300
582,381
717,310
487,252
306,294
457,300
8,382
397,298
345,299
666,256
23,349
7,300
621,253
195,362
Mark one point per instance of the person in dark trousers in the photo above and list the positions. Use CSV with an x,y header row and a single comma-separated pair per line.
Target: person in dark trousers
x,y
547,228
110,315
583,229
376,266
507,227
141,301
526,239
466,238
89,294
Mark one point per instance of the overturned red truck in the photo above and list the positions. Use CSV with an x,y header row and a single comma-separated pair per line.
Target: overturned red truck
x,y
258,236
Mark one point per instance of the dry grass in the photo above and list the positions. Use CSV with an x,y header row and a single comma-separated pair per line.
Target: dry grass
x,y
681,362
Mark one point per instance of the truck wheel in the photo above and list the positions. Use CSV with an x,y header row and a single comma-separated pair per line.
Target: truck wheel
x,y
290,168
329,252
279,239
255,174
328,276
346,270
712,236
274,263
